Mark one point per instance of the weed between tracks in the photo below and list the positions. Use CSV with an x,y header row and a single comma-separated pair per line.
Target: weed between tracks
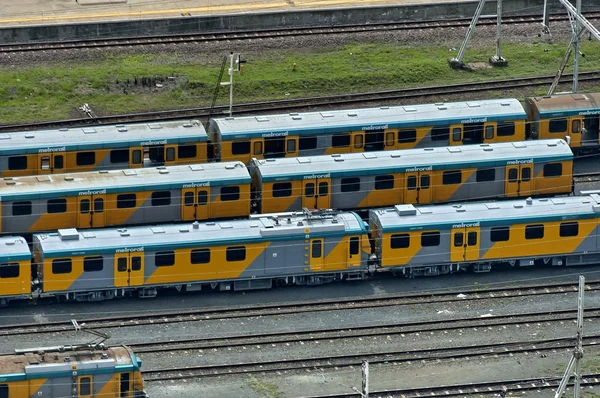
x,y
114,84
264,388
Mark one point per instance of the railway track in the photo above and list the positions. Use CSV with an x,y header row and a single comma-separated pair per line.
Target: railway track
x,y
587,177
293,308
263,34
304,104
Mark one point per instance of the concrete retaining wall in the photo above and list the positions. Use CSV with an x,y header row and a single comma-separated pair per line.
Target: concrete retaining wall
x,y
241,22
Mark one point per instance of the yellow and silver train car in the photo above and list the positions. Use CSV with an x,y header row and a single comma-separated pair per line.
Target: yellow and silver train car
x,y
254,253
15,269
71,371
124,197
432,240
416,176
102,148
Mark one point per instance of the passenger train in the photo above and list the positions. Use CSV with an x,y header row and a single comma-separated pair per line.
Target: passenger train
x,y
223,190
301,248
575,116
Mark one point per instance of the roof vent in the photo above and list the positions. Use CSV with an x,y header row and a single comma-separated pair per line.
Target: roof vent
x,y
122,129
518,206
300,223
296,117
4,137
183,230
529,201
155,126
63,129
352,114
29,136
196,167
553,143
163,171
69,178
196,225
187,125
103,172
405,210
157,230
129,172
89,131
68,234
125,233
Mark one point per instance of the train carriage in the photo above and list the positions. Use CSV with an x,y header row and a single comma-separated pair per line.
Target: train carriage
x,y
417,176
305,248
124,197
70,371
102,148
15,268
432,240
372,129
576,116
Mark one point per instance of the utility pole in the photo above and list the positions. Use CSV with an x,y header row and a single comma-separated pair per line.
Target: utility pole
x,y
576,31
237,61
578,352
364,393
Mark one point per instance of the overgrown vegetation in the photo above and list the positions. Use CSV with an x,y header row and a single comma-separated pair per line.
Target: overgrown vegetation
x,y
135,83
266,389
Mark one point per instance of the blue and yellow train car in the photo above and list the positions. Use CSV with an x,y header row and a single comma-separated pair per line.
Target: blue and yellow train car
x,y
124,197
102,148
15,269
576,116
71,371
254,253
416,176
432,240
372,129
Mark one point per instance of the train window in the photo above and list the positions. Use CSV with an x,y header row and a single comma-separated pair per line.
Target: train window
x,y
3,390
200,256
569,229
46,163
307,143
452,177
354,248
526,174
424,181
236,253
350,184
472,238
188,199
98,205
291,145
384,182
309,190
406,136
85,386
557,125
430,239
62,266
484,175
240,147
58,162
86,158
136,263
230,193
164,259
389,139
161,198
17,163
553,170
126,201
258,148
400,241
186,151
122,264
458,239
56,206
93,264
489,132
576,126
119,156
456,134
9,270
202,198
323,189
499,234
440,133
282,189
137,156
411,183
535,231
340,140
513,175
125,385
21,208
359,141
170,155
316,249
506,129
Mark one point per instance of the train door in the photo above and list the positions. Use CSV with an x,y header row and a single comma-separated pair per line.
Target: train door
x,y
129,269
519,180
316,254
291,147
374,140
136,157
90,211
85,387
456,134
195,204
354,254
170,155
316,193
575,133
125,389
464,244
417,187
49,163
489,132
358,142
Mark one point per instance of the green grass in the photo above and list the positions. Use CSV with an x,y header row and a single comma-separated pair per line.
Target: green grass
x,y
266,389
35,93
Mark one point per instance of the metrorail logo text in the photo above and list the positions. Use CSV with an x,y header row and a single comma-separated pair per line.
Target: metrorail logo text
x,y
197,185
130,249
382,127
270,135
424,168
44,150
149,143
520,161
586,113
99,192
467,121
469,225
317,176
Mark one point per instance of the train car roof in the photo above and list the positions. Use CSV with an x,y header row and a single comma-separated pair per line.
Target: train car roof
x,y
328,122
405,218
259,228
97,137
116,181
44,362
13,248
581,104
421,159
